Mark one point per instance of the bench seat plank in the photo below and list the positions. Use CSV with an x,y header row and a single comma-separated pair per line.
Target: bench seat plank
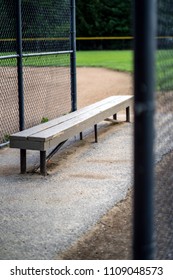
x,y
52,133
91,117
27,132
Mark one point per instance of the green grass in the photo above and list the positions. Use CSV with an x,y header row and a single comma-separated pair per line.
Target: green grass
x,y
38,61
116,60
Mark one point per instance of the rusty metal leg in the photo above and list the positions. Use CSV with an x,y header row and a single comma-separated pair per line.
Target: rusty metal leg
x,y
115,117
43,163
95,132
23,161
128,114
81,136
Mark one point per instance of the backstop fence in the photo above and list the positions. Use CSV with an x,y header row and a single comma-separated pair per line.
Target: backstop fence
x,y
37,62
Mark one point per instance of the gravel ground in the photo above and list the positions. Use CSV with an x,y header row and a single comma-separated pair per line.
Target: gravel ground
x,y
41,217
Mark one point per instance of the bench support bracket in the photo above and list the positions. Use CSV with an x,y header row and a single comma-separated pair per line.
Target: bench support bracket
x,y
55,150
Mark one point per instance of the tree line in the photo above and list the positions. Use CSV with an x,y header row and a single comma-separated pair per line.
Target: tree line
x,y
103,18
50,19
94,18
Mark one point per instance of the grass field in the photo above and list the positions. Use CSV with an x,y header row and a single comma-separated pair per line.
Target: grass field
x,y
117,60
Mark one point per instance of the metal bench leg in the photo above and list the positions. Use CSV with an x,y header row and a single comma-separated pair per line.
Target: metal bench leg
x,y
95,132
23,161
43,163
128,114
115,117
81,136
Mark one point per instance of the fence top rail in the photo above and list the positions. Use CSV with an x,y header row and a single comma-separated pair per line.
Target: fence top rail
x,y
36,39
35,54
46,53
9,56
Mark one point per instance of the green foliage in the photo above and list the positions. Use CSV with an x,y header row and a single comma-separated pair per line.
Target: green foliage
x,y
44,119
46,18
6,138
51,19
103,18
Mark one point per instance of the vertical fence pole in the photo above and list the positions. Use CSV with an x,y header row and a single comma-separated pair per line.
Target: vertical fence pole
x,y
73,57
145,23
20,80
19,65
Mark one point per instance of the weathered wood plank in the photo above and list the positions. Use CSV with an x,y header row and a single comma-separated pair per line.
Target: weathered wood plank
x,y
105,110
52,133
28,145
62,119
71,131
38,128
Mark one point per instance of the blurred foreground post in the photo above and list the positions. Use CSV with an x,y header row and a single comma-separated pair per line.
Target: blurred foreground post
x,y
144,81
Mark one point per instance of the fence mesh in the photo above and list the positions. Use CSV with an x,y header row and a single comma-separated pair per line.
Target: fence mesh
x,y
46,25
7,27
164,133
46,33
9,119
46,86
9,116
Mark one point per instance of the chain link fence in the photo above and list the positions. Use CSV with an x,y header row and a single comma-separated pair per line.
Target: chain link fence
x,y
9,118
46,57
164,133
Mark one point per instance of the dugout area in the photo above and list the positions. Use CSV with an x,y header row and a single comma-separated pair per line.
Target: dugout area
x,y
38,83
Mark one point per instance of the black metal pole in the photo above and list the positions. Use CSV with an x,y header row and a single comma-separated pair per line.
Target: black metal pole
x,y
20,66
20,80
144,81
73,57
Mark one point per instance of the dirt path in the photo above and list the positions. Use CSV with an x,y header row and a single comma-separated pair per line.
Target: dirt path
x,y
109,239
94,84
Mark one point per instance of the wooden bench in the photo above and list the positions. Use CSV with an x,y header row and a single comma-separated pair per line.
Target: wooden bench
x,y
55,132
